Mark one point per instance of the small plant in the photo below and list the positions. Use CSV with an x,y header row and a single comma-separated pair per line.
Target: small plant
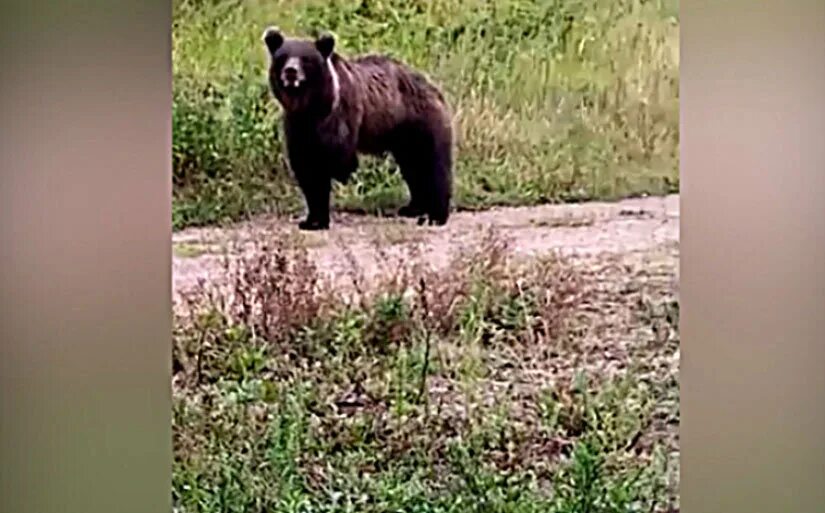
x,y
274,289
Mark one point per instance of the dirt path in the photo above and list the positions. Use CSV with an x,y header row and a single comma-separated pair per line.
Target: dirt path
x,y
643,225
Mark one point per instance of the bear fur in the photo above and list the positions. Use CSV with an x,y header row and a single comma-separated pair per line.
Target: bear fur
x,y
336,108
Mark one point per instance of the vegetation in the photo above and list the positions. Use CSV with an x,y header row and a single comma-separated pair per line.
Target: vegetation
x,y
484,386
554,100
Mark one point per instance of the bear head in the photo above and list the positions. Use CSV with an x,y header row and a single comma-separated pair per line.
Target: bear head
x,y
301,72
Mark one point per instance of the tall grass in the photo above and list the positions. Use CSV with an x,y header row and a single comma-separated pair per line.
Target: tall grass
x,y
553,100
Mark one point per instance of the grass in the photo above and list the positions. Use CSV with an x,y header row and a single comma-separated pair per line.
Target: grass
x,y
554,101
478,387
187,250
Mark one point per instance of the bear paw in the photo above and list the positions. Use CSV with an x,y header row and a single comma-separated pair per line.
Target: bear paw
x,y
313,225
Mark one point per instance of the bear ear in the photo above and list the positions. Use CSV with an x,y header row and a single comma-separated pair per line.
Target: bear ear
x,y
273,38
325,43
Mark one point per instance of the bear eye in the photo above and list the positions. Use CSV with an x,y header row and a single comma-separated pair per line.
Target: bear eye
x,y
280,61
309,64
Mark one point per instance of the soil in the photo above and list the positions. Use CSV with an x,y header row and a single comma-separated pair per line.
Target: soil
x,y
588,232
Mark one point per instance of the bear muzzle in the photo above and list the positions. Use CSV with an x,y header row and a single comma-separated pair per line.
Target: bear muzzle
x,y
292,76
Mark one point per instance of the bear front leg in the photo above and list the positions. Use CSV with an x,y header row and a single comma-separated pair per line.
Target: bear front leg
x,y
316,192
344,167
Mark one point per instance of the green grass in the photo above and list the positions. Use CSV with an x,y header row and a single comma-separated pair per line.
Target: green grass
x,y
554,100
187,250
292,396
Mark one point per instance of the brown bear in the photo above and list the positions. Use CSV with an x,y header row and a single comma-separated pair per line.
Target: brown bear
x,y
335,108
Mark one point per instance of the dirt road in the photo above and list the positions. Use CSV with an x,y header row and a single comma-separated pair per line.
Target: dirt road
x,y
643,225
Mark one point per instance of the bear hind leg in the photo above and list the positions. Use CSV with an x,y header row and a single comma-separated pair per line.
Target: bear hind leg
x,y
435,178
410,167
439,182
424,155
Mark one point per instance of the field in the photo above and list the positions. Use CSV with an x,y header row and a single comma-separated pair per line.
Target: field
x,y
523,358
555,101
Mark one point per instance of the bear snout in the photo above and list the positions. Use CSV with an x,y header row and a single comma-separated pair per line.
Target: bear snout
x,y
290,79
292,75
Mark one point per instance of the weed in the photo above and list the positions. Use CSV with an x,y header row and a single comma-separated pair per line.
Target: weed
x,y
290,397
